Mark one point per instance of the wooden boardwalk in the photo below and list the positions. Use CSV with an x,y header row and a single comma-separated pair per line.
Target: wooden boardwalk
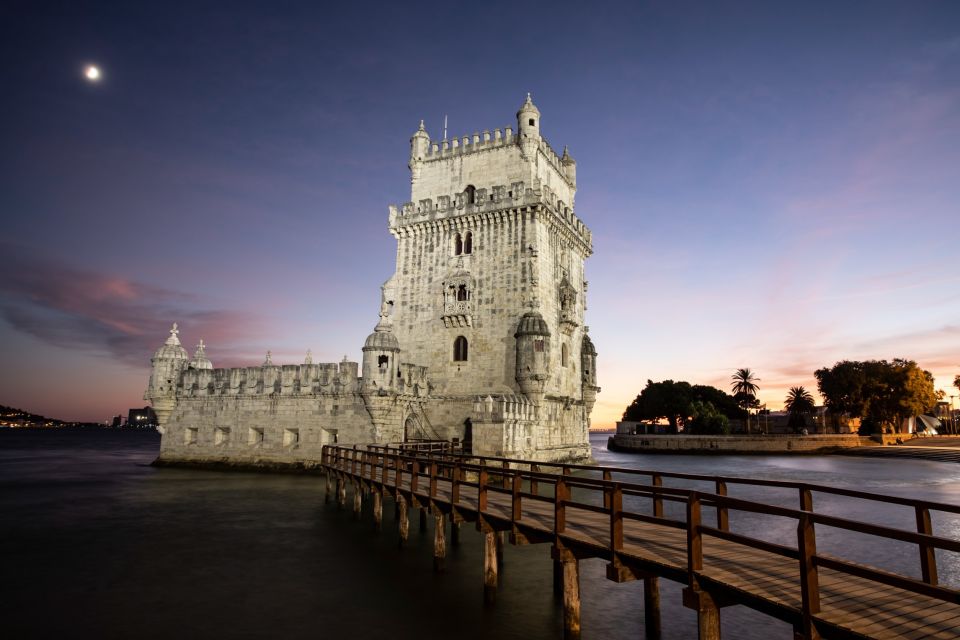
x,y
584,517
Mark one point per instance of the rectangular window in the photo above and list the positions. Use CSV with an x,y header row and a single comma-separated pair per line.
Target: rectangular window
x,y
291,437
221,435
190,435
538,346
255,436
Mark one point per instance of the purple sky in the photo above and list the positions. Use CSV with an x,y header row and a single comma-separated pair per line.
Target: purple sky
x,y
770,185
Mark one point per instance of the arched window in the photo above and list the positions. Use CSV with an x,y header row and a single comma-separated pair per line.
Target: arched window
x,y
462,294
382,361
460,349
468,243
470,194
457,245
563,355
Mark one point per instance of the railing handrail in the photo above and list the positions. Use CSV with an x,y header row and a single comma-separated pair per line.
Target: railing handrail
x,y
782,484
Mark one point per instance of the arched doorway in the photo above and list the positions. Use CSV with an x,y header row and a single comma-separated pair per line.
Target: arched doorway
x,y
411,428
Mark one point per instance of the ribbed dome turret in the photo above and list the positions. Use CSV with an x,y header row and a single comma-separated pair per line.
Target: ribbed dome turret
x,y
172,349
382,339
532,324
200,359
528,107
588,347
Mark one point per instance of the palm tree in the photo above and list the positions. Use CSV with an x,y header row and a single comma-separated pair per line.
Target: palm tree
x,y
799,403
745,390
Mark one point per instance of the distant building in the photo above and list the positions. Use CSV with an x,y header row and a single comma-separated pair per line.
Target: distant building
x,y
143,418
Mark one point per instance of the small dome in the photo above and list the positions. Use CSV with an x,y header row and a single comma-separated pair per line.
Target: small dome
x,y
382,339
528,107
171,349
532,324
588,347
200,360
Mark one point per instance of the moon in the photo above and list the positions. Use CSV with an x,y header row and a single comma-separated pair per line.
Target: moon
x,y
92,73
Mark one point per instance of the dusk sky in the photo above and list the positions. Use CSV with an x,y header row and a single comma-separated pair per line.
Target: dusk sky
x,y
770,185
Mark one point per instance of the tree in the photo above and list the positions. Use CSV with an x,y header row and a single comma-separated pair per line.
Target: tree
x,y
956,382
744,386
675,402
705,419
883,394
799,403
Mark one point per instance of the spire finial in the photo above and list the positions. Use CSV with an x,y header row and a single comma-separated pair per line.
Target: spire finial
x,y
309,358
201,346
173,339
269,361
529,99
422,128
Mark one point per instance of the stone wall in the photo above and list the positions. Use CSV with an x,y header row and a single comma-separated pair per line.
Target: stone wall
x,y
734,444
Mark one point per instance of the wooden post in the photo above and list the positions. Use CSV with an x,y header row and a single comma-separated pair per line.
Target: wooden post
x,y
326,495
423,520
708,618
357,499
651,607
489,566
377,508
516,509
657,481
404,519
571,596
439,540
454,532
533,481
614,498
809,580
607,477
723,519
928,559
341,492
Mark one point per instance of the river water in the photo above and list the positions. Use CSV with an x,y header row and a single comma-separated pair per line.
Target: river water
x,y
97,543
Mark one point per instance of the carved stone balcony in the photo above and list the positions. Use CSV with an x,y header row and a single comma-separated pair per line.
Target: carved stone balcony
x,y
457,314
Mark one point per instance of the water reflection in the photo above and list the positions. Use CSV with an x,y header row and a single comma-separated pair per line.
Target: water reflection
x,y
117,548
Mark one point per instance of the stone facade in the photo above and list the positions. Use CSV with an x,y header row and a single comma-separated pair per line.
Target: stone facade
x,y
481,334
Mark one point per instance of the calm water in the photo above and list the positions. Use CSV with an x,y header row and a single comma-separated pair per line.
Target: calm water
x,y
96,543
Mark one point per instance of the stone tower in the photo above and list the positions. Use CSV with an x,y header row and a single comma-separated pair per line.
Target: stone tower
x,y
489,291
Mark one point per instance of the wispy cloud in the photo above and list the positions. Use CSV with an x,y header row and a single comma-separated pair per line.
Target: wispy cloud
x,y
103,313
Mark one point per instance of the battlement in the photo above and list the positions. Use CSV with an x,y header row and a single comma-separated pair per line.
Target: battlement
x,y
477,142
488,200
288,379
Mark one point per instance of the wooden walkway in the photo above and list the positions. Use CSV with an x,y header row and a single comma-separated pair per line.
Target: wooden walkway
x,y
584,517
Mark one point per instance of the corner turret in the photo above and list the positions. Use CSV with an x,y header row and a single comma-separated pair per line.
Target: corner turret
x,y
528,127
419,147
588,372
533,355
381,353
167,364
569,167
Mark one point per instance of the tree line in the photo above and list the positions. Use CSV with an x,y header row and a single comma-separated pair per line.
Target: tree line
x,y
881,394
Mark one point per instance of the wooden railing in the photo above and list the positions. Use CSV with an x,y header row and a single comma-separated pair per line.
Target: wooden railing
x,y
602,491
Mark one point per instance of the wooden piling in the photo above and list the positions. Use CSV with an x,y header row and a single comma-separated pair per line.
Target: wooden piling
x,y
377,509
489,566
404,519
423,520
501,535
571,596
455,533
357,499
341,492
439,540
651,607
